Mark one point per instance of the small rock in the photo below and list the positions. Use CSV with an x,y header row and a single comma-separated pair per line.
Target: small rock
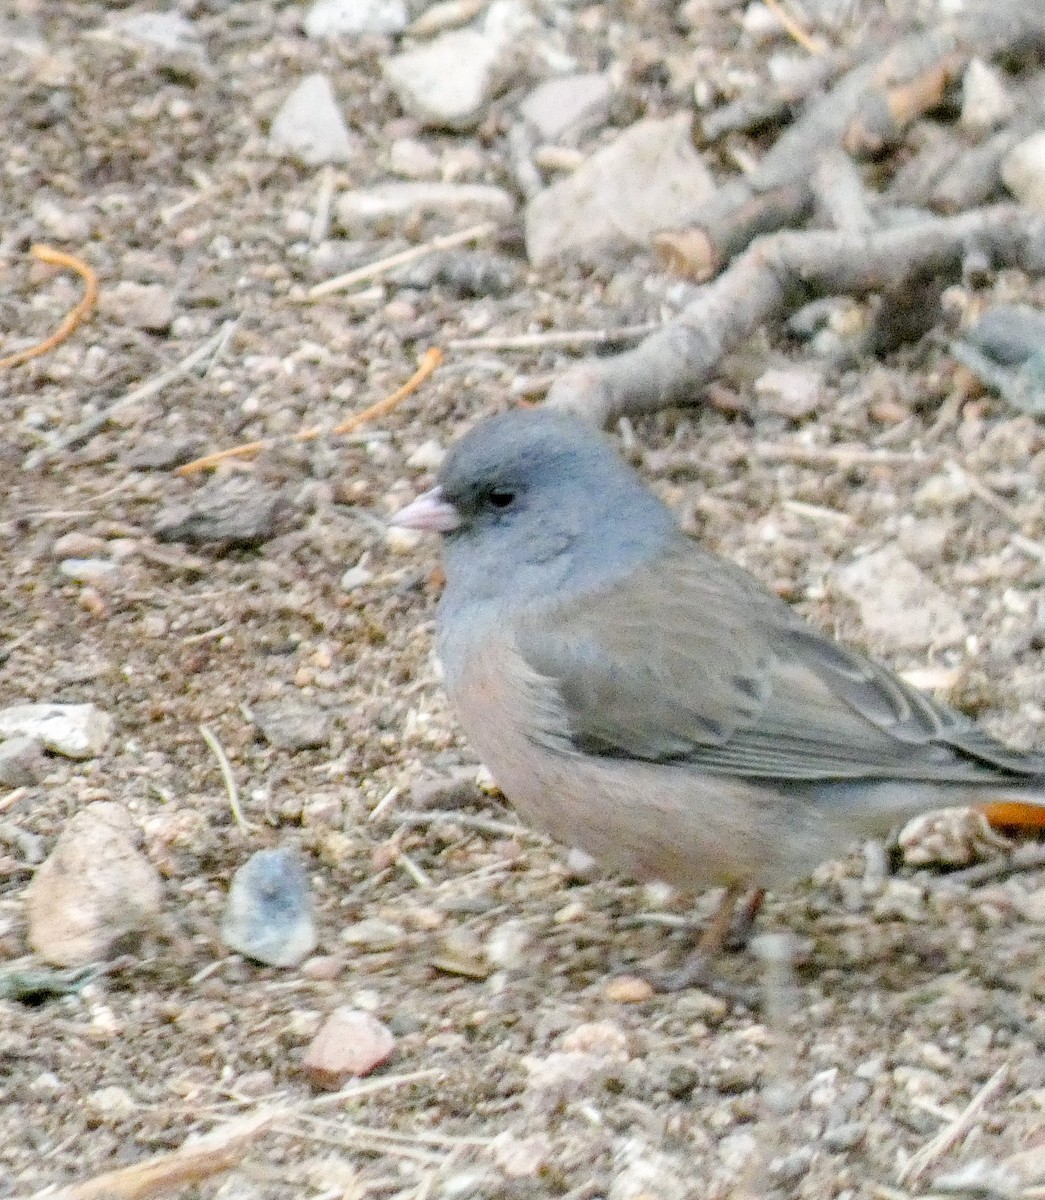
x,y
791,392
335,18
268,915
73,730
293,724
448,83
565,109
402,541
412,159
147,306
356,577
520,1157
581,867
97,572
901,608
359,210
1023,171
77,545
163,453
59,223
1008,334
111,1105
236,511
350,1043
643,1173
167,31
506,946
309,126
427,457
951,837
629,989
602,1038
648,179
986,101
21,762
324,968
94,891
374,935
847,1136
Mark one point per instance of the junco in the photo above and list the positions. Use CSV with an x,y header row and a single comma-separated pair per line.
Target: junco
x,y
649,702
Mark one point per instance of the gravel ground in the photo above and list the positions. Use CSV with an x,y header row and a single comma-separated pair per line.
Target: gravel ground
x,y
500,971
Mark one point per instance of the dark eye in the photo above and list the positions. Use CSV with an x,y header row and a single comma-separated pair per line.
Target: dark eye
x,y
501,497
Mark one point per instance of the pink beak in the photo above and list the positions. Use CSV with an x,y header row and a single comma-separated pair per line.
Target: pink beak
x,y
430,513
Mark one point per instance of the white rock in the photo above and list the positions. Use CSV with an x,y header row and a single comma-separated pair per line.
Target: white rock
x,y
168,31
1023,171
901,608
649,178
333,18
75,730
94,890
412,159
21,762
148,306
98,572
358,210
568,107
427,457
986,101
350,1043
792,392
309,125
268,915
448,83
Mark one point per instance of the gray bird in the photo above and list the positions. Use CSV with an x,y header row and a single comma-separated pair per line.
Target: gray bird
x,y
647,701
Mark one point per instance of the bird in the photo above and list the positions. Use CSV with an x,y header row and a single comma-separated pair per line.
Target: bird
x,y
648,701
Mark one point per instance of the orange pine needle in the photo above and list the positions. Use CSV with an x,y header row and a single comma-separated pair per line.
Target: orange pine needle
x,y
429,361
76,315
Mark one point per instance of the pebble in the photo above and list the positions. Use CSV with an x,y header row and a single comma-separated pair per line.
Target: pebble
x,y
359,210
951,837
59,223
148,306
629,989
412,159
402,541
1008,334
111,1105
901,608
167,31
268,914
567,108
77,545
986,101
94,891
232,511
648,179
427,457
336,18
603,1038
356,577
520,1157
791,392
98,572
350,1043
324,968
292,724
21,762
309,126
448,83
1023,171
645,1173
374,935
73,730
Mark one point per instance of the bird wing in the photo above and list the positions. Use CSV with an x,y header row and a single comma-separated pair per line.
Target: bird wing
x,y
690,660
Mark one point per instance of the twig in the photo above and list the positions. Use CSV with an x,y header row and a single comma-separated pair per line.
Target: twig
x,y
794,30
772,277
557,339
324,199
840,456
413,870
950,1136
466,820
429,361
382,266
385,803
87,429
229,779
76,315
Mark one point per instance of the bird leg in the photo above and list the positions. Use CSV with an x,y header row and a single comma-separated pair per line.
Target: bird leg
x,y
728,929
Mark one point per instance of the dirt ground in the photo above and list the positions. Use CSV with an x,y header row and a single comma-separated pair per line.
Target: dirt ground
x,y
489,958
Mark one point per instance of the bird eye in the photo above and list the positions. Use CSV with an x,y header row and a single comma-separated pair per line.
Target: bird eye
x,y
501,497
